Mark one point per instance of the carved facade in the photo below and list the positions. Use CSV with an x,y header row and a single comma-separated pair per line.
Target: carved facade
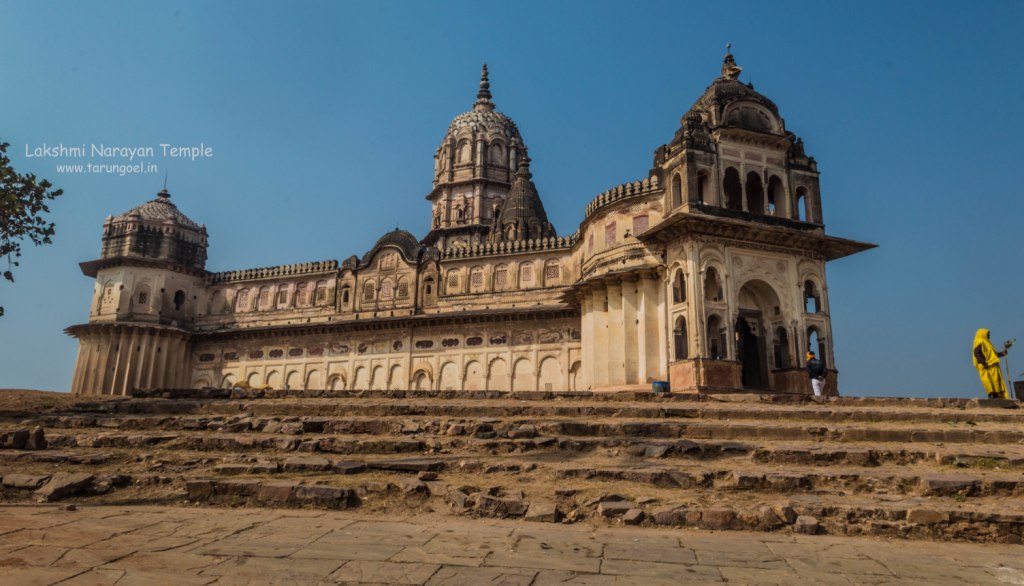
x,y
709,272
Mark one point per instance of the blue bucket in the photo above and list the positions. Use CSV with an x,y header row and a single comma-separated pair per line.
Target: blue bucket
x,y
660,386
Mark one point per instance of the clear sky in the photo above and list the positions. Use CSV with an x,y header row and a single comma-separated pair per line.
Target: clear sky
x,y
324,117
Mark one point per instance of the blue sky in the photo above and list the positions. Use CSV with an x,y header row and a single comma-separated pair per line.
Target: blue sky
x,y
324,117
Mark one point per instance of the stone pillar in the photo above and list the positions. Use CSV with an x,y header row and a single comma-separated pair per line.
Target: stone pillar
x,y
105,380
90,343
616,335
588,357
160,379
76,375
141,361
743,188
125,359
630,333
652,343
663,328
640,304
600,312
151,361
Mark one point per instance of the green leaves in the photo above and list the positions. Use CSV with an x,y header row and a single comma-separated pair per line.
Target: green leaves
x,y
23,203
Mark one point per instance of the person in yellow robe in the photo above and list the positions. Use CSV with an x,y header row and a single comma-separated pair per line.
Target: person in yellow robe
x,y
986,360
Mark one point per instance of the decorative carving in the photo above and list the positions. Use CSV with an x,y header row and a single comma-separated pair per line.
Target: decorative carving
x,y
522,338
549,337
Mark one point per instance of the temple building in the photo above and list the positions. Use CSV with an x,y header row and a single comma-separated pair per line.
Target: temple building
x,y
709,272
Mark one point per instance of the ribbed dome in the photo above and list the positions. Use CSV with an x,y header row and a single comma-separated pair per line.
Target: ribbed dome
x,y
155,230
404,241
159,210
484,118
714,104
486,121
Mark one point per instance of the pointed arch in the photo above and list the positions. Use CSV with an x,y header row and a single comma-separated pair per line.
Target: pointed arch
x,y
313,380
497,375
449,380
378,378
523,375
396,378
474,376
550,375
732,188
361,381
274,379
679,339
755,193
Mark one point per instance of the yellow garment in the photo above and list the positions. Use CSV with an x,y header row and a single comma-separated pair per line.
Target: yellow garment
x,y
990,372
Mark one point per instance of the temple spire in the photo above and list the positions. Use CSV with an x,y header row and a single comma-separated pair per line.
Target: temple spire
x,y
483,97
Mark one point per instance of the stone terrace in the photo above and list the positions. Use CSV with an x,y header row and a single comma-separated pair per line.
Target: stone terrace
x,y
914,468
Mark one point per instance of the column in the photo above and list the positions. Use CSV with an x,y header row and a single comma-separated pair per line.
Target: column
x,y
600,336
105,380
76,375
92,363
663,328
616,335
163,348
641,304
587,357
141,363
630,330
153,341
123,366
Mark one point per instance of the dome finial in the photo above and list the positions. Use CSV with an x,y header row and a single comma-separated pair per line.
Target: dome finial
x,y
729,68
524,167
483,97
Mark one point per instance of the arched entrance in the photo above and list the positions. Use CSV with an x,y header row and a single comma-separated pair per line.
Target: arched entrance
x,y
758,303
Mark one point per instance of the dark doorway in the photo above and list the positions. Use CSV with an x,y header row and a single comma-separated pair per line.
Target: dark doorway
x,y
750,349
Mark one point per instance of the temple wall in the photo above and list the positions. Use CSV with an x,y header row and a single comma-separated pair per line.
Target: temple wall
x,y
528,355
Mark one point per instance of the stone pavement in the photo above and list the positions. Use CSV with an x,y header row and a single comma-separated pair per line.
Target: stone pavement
x,y
45,544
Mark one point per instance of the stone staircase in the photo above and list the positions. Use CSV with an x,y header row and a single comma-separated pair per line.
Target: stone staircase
x,y
919,468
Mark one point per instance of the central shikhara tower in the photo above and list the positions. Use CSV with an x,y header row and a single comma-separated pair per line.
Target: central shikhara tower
x,y
708,273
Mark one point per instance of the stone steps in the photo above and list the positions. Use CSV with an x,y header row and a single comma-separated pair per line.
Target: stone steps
x,y
931,518
994,434
830,411
934,469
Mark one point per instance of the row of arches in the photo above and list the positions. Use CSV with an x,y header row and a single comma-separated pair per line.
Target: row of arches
x,y
496,374
381,290
717,349
269,297
494,152
503,277
753,194
713,290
